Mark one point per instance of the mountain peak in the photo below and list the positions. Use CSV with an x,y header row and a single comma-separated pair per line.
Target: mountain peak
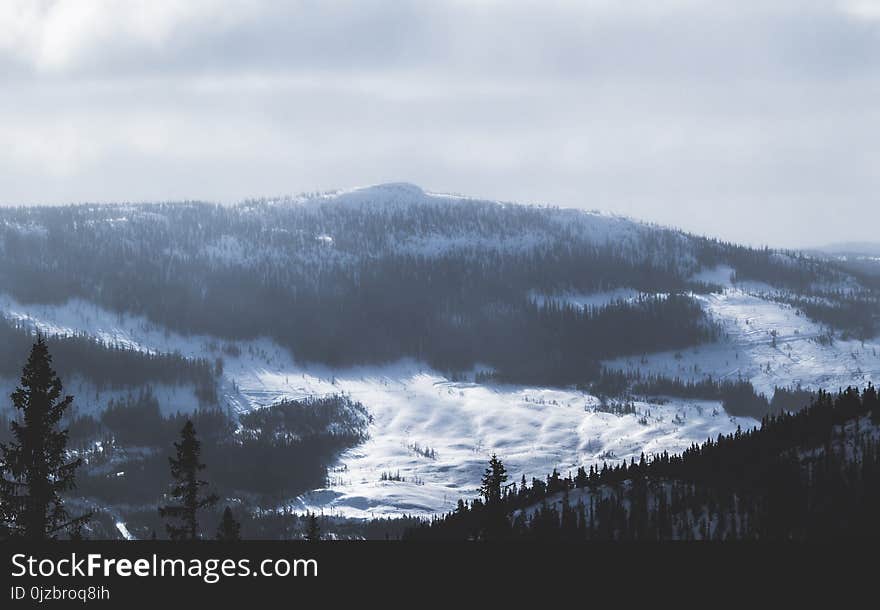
x,y
389,192
394,187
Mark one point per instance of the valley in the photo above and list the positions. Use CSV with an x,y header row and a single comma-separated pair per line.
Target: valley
x,y
463,327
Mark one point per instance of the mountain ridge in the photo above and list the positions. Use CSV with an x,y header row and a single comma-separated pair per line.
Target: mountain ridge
x,y
462,325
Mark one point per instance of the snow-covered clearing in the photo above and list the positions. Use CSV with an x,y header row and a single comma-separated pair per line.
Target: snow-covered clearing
x,y
769,344
435,433
90,399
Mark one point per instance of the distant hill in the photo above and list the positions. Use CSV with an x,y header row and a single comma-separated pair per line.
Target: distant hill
x,y
861,258
852,249
559,337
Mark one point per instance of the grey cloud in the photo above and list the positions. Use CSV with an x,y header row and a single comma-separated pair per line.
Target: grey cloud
x,y
751,121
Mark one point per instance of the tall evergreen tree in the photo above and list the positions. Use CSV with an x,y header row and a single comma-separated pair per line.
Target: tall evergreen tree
x,y
185,470
493,480
313,528
34,471
229,529
495,525
872,403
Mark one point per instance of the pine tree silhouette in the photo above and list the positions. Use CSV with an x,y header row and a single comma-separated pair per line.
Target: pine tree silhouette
x,y
229,529
313,531
495,524
185,470
33,470
493,480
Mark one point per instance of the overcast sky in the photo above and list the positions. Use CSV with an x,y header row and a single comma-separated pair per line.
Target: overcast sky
x,y
753,121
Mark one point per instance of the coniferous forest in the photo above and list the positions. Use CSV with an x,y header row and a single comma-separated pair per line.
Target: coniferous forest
x,y
502,295
451,282
122,457
813,475
108,366
377,298
804,474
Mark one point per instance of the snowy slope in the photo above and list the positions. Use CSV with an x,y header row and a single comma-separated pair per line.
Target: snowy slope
x,y
90,399
387,199
431,431
797,355
418,411
535,429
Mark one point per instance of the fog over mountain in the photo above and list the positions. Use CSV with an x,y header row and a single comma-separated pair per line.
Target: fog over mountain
x,y
853,248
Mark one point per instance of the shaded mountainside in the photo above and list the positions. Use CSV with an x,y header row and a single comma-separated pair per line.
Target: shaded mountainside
x,y
108,366
557,337
809,475
377,274
270,454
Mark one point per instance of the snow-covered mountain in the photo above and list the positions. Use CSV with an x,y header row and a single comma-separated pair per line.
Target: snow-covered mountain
x,y
465,327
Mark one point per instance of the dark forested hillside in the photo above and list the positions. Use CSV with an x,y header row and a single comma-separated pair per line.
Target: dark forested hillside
x,y
276,452
388,272
805,475
108,366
